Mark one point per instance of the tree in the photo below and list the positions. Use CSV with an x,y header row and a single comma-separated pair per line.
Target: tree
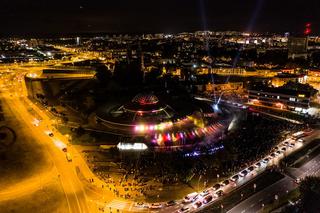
x,y
128,74
103,74
310,194
153,76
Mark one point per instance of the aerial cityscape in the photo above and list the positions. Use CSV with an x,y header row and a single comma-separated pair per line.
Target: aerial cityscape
x,y
160,106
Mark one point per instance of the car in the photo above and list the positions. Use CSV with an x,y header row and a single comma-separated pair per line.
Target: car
x,y
284,149
204,193
273,155
155,206
243,173
286,142
216,187
301,140
235,178
291,145
257,165
183,210
51,134
276,148
219,193
64,149
69,157
226,182
190,197
171,203
266,160
195,198
197,204
251,168
141,205
207,199
278,152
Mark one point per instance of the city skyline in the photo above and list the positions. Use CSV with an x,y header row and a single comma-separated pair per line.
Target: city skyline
x,y
163,106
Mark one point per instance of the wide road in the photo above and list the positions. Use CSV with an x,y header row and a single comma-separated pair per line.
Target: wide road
x,y
256,202
283,186
81,195
65,171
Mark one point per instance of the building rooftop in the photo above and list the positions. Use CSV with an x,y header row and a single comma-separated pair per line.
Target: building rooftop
x,y
284,91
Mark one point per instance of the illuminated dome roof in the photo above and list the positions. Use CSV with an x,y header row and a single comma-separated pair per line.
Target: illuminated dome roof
x,y
145,99
143,108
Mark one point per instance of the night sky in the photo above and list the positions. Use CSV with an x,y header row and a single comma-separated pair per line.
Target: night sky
x,y
42,17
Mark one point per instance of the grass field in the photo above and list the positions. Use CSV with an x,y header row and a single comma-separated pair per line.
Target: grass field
x,y
48,199
23,158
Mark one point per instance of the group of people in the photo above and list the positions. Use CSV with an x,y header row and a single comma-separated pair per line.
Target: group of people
x,y
142,175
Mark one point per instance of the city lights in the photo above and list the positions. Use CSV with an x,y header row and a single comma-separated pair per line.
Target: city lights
x,y
99,113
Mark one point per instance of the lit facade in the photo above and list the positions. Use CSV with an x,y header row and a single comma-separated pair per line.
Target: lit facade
x,y
280,98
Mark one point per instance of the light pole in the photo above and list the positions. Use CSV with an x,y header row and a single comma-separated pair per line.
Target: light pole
x,y
199,183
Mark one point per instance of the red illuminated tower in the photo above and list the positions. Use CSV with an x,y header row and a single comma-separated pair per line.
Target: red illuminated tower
x,y
307,30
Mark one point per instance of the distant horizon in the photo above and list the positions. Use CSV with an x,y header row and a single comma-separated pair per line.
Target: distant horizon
x,y
105,33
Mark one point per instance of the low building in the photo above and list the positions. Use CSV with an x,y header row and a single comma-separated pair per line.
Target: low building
x,y
265,73
52,82
280,98
283,78
225,87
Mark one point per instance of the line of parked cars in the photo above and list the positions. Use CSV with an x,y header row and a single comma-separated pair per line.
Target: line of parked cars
x,y
196,200
217,189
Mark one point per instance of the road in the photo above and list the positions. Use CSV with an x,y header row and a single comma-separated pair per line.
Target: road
x,y
255,202
283,186
65,171
81,195
72,187
311,168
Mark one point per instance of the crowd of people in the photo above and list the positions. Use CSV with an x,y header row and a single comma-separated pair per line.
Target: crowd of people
x,y
141,175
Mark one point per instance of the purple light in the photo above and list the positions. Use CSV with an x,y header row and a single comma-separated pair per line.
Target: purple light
x,y
168,137
181,135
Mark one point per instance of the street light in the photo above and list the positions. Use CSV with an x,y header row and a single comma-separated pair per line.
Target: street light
x,y
199,182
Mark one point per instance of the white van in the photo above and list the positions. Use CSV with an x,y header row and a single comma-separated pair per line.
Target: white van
x,y
190,197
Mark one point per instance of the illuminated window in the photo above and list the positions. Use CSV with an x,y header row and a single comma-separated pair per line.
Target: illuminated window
x,y
292,99
278,97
